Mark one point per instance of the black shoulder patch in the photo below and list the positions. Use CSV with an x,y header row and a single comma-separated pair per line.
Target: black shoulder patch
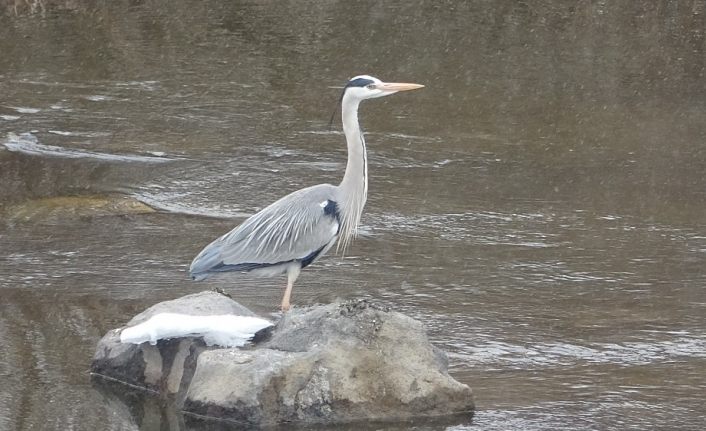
x,y
331,209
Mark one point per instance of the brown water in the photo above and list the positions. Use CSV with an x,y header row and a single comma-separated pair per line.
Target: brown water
x,y
541,205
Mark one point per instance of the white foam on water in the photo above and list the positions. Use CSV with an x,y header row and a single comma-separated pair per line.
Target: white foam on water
x,y
24,110
27,143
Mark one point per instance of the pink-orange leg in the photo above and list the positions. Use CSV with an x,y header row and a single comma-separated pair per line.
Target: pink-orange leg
x,y
292,274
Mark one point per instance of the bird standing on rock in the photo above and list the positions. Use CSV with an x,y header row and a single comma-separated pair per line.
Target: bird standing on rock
x,y
295,231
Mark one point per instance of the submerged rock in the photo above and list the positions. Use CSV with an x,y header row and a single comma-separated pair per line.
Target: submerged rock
x,y
63,207
335,363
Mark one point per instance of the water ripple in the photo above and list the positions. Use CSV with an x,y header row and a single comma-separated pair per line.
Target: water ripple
x,y
521,356
27,143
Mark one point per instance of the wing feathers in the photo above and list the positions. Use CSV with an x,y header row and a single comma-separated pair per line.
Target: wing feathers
x,y
290,229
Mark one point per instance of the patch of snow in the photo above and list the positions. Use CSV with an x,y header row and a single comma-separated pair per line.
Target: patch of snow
x,y
223,330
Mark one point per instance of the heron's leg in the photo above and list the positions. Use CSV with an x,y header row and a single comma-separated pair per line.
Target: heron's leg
x,y
287,294
292,274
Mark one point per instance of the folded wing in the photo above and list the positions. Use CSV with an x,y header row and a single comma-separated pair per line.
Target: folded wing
x,y
297,227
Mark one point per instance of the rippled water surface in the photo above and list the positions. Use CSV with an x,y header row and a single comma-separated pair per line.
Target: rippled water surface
x,y
540,205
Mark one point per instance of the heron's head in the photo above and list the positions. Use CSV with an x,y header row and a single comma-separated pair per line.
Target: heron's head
x,y
367,87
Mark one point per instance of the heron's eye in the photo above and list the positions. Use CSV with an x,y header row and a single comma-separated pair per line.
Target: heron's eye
x,y
370,86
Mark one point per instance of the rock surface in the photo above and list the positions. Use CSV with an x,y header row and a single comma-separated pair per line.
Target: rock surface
x,y
333,363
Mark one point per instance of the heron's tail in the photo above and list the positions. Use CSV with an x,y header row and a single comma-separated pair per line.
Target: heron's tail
x,y
198,276
209,257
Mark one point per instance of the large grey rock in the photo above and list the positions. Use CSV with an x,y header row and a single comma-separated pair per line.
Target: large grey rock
x,y
334,363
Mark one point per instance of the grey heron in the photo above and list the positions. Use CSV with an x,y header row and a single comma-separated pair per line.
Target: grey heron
x,y
298,229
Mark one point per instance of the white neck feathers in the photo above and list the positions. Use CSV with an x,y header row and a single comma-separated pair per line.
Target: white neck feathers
x,y
354,186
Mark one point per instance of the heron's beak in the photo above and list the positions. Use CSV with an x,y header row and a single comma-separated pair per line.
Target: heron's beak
x,y
398,86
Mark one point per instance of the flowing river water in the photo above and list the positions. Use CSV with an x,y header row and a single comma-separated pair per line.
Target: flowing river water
x,y
540,205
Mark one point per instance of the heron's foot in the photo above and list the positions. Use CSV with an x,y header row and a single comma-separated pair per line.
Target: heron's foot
x,y
285,307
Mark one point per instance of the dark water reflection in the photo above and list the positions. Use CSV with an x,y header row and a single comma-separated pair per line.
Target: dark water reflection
x,y
540,205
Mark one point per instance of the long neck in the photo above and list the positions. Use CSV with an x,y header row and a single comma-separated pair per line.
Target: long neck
x,y
354,186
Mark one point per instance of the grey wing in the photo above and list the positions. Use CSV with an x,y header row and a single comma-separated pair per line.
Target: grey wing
x,y
293,228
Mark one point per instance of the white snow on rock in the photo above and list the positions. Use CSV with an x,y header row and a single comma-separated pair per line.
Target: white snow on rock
x,y
224,330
